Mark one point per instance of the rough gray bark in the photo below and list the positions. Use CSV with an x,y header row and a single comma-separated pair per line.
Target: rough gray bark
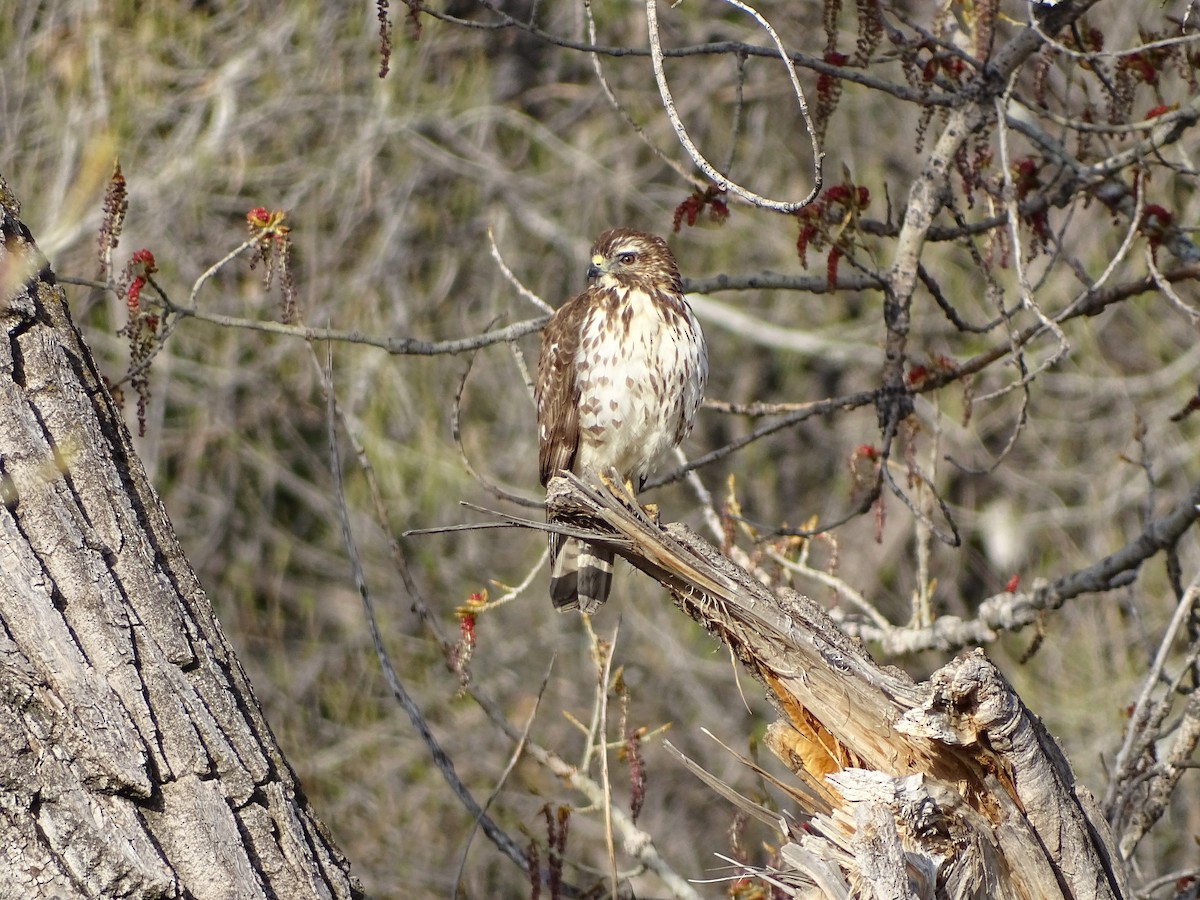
x,y
948,788
134,757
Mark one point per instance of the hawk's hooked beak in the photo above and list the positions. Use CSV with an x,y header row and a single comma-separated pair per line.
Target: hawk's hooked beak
x,y
594,270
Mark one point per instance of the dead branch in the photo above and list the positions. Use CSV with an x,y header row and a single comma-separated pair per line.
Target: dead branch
x,y
978,794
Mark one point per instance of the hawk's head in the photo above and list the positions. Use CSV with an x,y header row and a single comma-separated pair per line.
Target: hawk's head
x,y
622,256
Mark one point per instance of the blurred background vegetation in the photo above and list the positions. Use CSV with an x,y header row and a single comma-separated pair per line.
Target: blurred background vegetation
x,y
390,186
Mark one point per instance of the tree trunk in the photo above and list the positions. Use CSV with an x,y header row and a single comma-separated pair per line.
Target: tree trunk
x,y
134,757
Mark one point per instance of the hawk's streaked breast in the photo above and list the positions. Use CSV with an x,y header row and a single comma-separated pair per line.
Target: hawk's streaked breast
x,y
640,369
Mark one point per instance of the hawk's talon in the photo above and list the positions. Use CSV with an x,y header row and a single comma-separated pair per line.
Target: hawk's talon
x,y
621,489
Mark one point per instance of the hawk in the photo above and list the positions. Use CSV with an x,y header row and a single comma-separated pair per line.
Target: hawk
x,y
620,377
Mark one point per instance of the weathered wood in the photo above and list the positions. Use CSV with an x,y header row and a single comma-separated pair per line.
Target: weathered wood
x,y
946,788
134,757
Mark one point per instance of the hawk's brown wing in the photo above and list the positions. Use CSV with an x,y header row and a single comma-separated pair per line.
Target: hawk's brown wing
x,y
557,390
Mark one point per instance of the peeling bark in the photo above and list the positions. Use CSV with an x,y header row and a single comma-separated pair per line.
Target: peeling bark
x,y
134,757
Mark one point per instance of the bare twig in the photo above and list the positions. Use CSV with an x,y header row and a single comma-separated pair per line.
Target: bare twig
x,y
839,585
616,104
702,494
808,410
400,346
216,267
1009,197
1093,55
1011,611
603,685
456,432
444,764
512,593
512,279
950,538
513,759
721,181
729,317
769,281
899,90
1142,733
1169,292
638,843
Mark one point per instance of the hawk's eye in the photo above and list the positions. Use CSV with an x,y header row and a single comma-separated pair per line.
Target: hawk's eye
x,y
628,258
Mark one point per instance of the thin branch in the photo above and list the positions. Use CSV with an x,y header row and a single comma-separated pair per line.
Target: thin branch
x,y
739,110
755,409
951,538
456,433
399,346
1011,611
1093,55
510,521
703,496
1086,127
940,299
1167,291
901,90
1009,445
1009,197
843,589
512,278
1142,729
513,759
922,593
616,104
394,345
763,333
605,779
807,411
212,270
1131,234
512,593
638,843
444,764
721,181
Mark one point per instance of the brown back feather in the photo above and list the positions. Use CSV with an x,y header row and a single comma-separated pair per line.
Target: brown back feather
x,y
557,390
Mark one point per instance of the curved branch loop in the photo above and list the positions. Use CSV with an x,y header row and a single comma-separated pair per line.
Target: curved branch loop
x,y
725,184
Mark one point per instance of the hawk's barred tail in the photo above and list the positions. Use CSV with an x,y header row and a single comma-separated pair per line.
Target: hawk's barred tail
x,y
580,576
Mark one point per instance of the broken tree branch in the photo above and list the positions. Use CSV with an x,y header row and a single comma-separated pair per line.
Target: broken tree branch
x,y
982,800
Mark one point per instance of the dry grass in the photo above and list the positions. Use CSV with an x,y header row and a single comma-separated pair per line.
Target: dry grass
x,y
391,187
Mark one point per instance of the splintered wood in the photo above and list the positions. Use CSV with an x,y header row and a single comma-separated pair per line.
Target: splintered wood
x,y
944,788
